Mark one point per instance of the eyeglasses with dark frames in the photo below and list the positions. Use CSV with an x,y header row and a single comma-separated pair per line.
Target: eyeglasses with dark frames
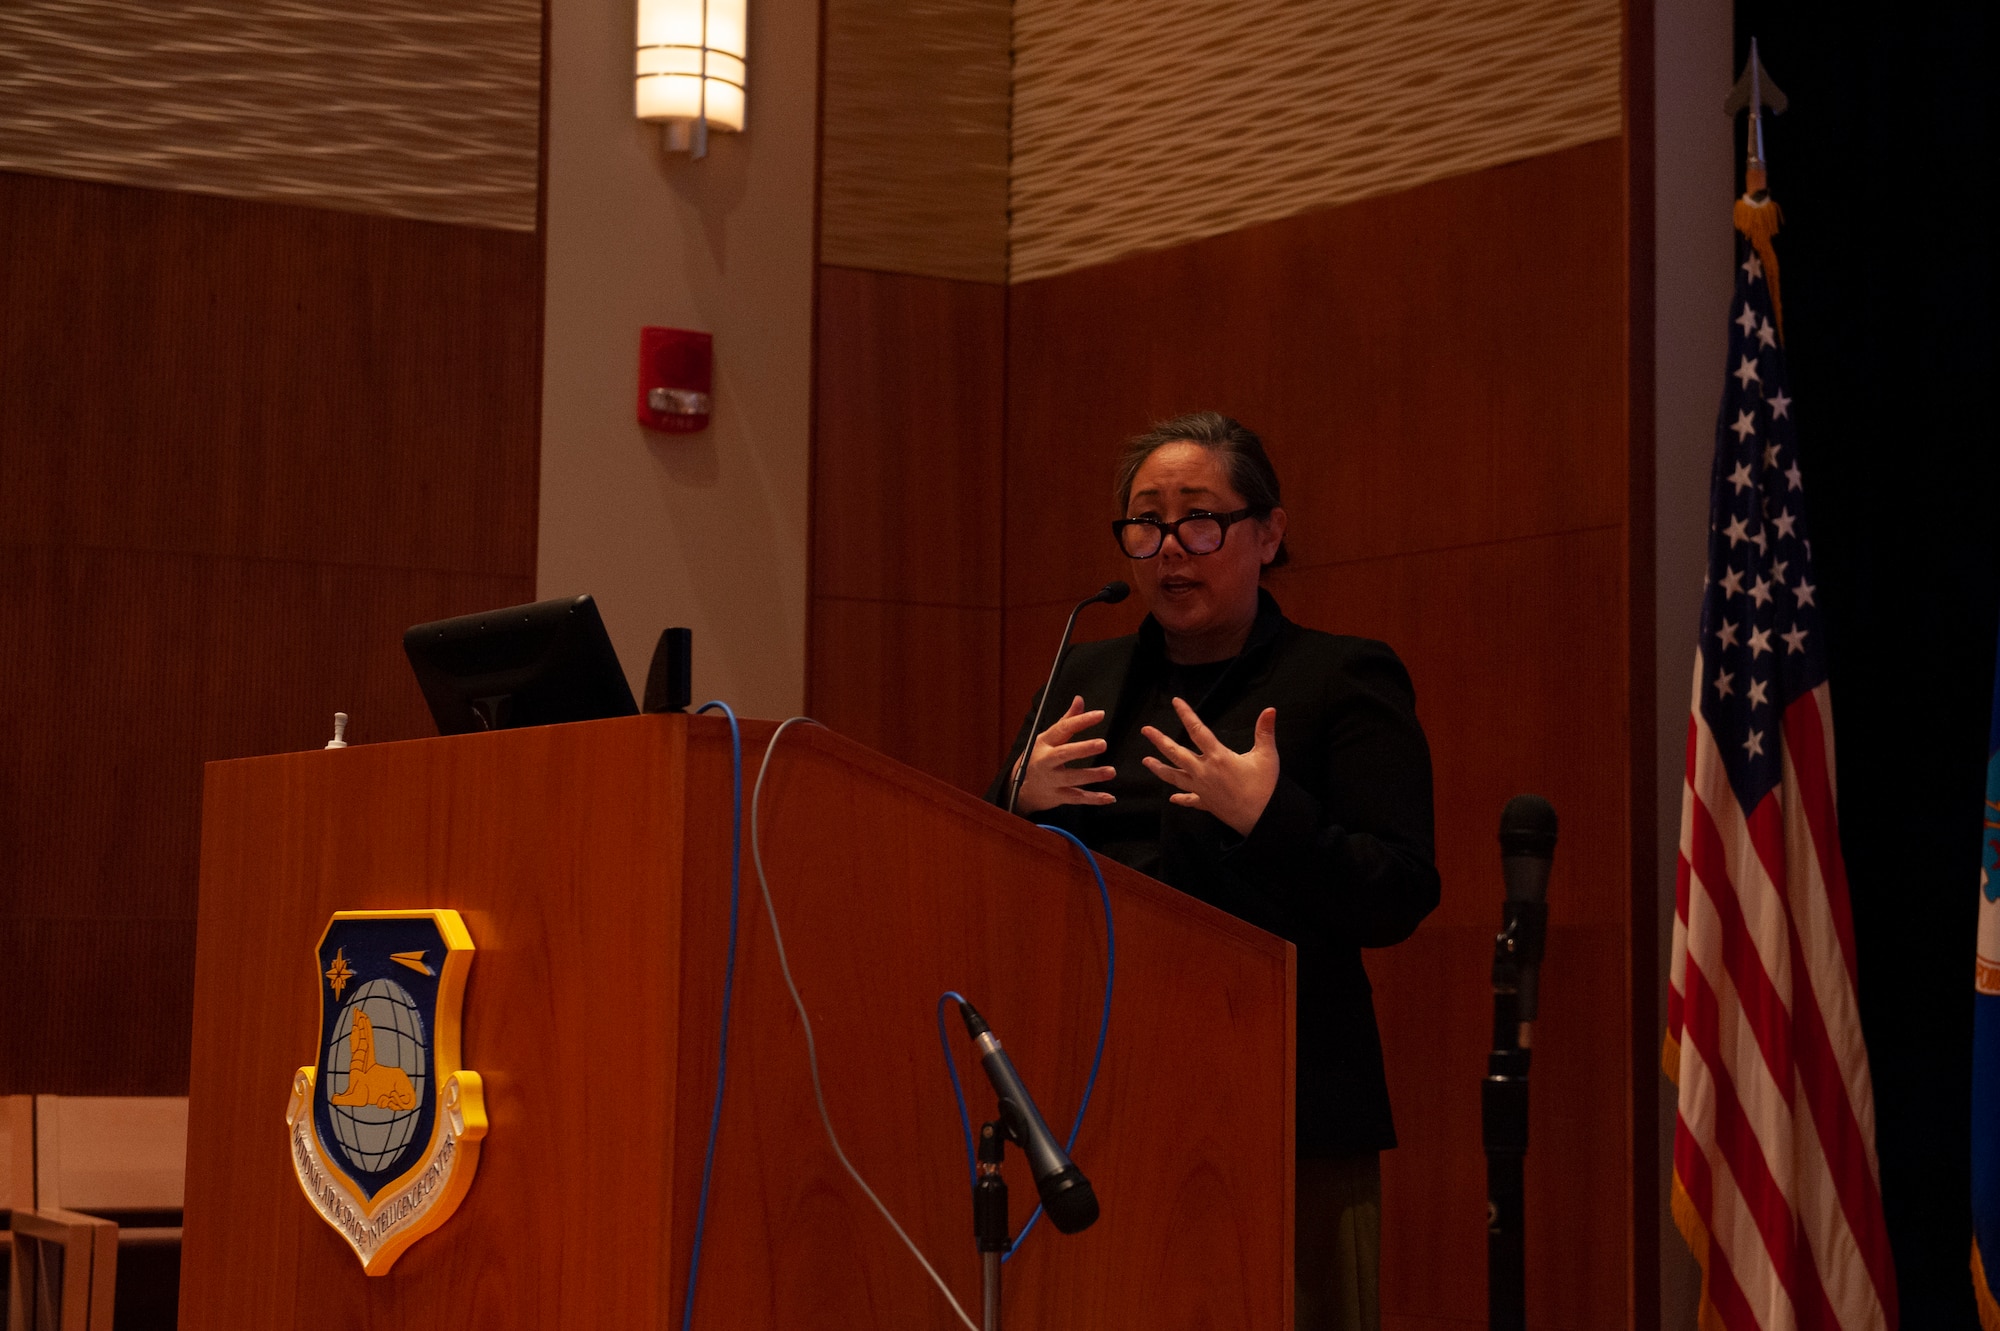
x,y
1200,532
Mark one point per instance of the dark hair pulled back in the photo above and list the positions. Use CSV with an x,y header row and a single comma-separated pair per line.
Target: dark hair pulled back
x,y
1243,459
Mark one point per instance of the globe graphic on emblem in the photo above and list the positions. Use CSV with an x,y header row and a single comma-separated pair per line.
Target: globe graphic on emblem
x,y
373,1138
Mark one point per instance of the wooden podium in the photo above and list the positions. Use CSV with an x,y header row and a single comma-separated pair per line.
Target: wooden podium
x,y
591,864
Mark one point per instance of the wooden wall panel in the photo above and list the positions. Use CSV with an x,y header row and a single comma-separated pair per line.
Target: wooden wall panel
x,y
260,381
907,503
244,446
1518,690
168,661
906,468
108,990
1434,1000
1441,377
916,681
1029,634
1435,368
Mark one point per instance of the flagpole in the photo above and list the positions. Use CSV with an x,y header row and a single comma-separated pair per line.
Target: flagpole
x,y
1775,1185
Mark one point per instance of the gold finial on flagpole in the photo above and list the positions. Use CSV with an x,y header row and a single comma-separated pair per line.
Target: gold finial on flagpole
x,y
1756,212
1755,92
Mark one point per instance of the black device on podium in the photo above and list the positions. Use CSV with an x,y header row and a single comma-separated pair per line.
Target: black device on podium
x,y
1527,849
670,679
524,665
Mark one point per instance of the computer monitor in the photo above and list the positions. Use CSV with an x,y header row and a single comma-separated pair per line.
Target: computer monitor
x,y
526,665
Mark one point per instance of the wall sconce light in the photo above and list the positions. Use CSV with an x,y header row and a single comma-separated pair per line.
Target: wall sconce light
x,y
676,366
691,69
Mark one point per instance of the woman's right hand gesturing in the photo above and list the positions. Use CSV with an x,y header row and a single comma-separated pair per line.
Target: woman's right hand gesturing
x,y
1050,780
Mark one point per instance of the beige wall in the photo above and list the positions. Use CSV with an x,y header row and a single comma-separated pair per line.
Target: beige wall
x,y
706,530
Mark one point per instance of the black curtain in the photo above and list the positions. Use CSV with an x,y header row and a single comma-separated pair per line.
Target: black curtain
x,y
1884,166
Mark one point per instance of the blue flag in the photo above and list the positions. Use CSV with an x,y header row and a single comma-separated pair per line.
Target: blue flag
x,y
1986,1050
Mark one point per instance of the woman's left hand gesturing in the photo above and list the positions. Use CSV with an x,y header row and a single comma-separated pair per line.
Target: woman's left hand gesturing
x,y
1233,786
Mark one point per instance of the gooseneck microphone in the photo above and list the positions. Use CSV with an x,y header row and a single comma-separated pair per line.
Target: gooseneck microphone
x,y
1066,1194
1111,593
1527,852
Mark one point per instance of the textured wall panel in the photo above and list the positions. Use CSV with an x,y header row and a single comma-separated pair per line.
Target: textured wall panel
x,y
914,177
1140,124
380,106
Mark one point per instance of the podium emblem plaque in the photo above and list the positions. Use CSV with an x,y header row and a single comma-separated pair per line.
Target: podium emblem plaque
x,y
385,1126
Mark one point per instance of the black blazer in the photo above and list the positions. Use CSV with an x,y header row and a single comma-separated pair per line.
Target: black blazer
x,y
1341,859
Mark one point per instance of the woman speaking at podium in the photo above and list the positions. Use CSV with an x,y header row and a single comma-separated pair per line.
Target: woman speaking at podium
x,y
1271,770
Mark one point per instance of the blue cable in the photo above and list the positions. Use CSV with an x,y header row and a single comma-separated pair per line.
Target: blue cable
x,y
951,1070
1097,1059
728,985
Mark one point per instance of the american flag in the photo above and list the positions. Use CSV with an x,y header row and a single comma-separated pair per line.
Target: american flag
x,y
1775,1181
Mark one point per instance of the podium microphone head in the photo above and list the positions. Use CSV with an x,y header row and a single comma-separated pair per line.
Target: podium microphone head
x,y
1067,1197
1528,832
1528,827
1068,1200
1113,592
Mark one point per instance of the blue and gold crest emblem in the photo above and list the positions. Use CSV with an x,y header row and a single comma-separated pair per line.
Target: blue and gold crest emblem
x,y
385,1127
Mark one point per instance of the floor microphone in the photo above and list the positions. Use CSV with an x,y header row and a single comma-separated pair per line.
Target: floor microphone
x,y
1111,593
1527,852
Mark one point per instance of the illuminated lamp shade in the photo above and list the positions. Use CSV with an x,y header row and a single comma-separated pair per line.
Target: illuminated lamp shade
x,y
691,69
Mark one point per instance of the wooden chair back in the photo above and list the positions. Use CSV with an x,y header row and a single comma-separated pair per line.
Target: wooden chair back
x,y
72,1168
65,1270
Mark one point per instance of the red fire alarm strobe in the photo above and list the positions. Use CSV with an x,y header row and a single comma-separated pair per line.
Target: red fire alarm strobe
x,y
675,365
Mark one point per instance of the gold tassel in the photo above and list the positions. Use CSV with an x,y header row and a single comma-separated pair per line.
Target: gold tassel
x,y
1989,1311
1688,1221
1670,1063
1759,220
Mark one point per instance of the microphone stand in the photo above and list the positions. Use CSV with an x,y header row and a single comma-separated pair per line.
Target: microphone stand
x,y
989,1218
1503,1113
